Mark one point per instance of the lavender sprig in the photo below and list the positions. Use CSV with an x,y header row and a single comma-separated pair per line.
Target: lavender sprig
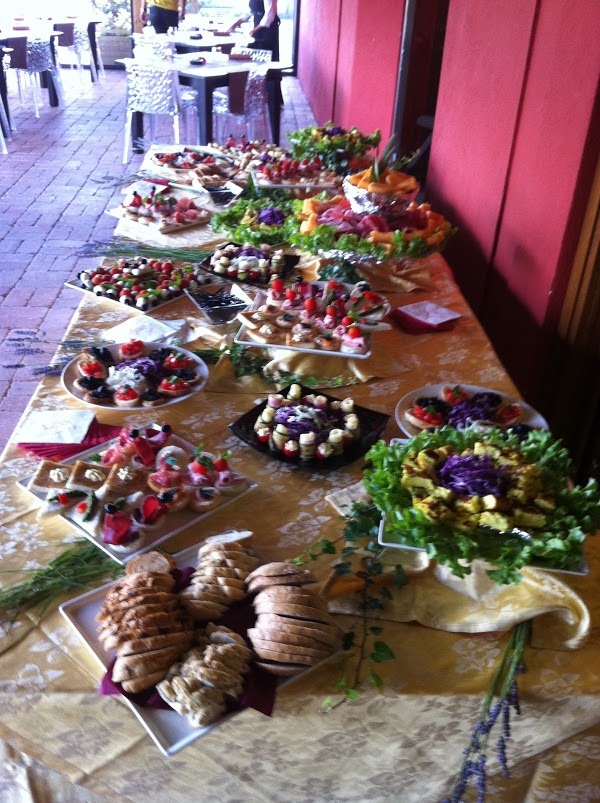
x,y
503,687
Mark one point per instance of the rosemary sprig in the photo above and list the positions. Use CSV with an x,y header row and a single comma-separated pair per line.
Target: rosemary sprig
x,y
72,570
245,363
126,249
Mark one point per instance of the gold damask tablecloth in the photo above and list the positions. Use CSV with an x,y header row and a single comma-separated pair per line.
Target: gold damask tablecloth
x,y
63,742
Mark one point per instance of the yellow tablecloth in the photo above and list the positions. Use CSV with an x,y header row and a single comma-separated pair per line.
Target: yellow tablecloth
x,y
401,744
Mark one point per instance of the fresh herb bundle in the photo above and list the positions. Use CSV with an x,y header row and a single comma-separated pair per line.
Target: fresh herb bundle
x,y
576,511
125,249
503,687
72,570
246,363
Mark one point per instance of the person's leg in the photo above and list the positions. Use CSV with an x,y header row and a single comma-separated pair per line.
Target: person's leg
x,y
161,19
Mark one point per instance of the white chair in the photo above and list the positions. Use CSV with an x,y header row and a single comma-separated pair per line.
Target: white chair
x,y
31,57
149,48
243,105
75,39
153,89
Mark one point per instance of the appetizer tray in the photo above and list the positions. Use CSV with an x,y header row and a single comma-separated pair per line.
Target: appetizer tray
x,y
580,569
164,211
169,730
71,373
231,273
372,425
181,277
174,523
243,338
529,416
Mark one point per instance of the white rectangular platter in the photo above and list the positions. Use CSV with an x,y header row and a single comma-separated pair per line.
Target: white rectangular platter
x,y
169,730
176,523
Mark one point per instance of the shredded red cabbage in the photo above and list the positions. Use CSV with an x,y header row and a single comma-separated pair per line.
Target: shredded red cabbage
x,y
469,410
472,475
271,216
301,418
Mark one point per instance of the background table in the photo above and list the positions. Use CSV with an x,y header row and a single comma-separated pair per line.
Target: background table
x,y
402,744
205,79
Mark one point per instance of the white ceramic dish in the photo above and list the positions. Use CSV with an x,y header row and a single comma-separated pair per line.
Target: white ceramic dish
x,y
176,522
70,373
169,730
530,415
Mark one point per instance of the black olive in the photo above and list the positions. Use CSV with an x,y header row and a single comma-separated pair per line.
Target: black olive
x,y
110,508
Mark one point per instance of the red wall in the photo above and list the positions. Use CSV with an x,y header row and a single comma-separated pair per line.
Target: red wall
x,y
317,54
511,165
348,60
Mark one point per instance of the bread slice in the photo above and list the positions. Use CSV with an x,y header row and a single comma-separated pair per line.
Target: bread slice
x,y
234,582
130,585
206,593
316,652
293,594
218,571
295,611
229,682
318,631
133,666
280,669
118,609
236,560
288,639
258,583
219,634
182,639
204,611
151,562
226,547
279,568
281,657
112,641
138,684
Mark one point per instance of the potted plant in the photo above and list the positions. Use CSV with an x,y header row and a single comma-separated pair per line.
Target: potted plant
x,y
115,40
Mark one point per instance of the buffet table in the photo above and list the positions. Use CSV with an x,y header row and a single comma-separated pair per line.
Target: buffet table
x,y
401,743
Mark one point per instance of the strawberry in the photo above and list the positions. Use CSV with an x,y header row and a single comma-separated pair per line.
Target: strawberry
x,y
221,463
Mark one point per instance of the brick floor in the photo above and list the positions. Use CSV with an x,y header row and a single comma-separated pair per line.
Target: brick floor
x,y
54,189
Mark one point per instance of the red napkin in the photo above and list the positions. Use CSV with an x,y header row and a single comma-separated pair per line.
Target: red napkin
x,y
260,687
96,434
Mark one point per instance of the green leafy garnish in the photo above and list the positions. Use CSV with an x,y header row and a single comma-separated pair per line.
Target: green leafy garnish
x,y
557,544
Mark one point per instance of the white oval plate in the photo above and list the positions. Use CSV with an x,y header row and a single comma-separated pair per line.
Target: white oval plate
x,y
530,415
70,374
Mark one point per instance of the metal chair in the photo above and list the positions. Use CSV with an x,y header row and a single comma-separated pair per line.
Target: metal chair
x,y
31,57
153,89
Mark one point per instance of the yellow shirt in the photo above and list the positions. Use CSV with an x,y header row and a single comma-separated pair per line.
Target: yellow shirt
x,y
170,5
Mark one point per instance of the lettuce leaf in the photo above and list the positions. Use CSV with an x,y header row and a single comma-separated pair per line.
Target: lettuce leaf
x,y
557,546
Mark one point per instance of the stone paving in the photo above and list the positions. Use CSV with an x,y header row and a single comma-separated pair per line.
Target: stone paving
x,y
55,186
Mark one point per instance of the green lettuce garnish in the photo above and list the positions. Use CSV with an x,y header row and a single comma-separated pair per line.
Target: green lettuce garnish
x,y
557,546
